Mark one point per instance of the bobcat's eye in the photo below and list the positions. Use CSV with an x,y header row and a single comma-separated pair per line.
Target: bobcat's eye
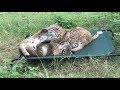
x,y
50,32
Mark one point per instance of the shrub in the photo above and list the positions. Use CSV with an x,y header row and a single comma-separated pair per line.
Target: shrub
x,y
65,23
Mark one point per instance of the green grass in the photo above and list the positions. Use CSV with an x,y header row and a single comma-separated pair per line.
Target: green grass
x,y
14,26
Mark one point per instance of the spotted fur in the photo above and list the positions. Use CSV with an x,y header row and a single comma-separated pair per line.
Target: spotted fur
x,y
77,37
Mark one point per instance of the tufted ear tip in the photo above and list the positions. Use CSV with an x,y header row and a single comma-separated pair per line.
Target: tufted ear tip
x,y
44,30
56,23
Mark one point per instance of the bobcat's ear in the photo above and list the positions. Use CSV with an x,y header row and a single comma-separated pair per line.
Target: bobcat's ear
x,y
44,30
56,23
66,45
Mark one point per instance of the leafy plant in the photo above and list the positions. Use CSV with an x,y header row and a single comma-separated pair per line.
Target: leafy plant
x,y
66,23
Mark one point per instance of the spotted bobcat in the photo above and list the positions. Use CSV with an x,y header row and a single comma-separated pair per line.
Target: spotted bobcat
x,y
77,37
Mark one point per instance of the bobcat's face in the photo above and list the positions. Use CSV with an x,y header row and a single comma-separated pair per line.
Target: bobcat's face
x,y
53,32
62,49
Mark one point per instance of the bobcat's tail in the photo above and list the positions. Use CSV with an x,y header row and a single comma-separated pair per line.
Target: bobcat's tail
x,y
97,34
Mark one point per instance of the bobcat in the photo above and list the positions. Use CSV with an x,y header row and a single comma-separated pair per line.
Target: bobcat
x,y
77,37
